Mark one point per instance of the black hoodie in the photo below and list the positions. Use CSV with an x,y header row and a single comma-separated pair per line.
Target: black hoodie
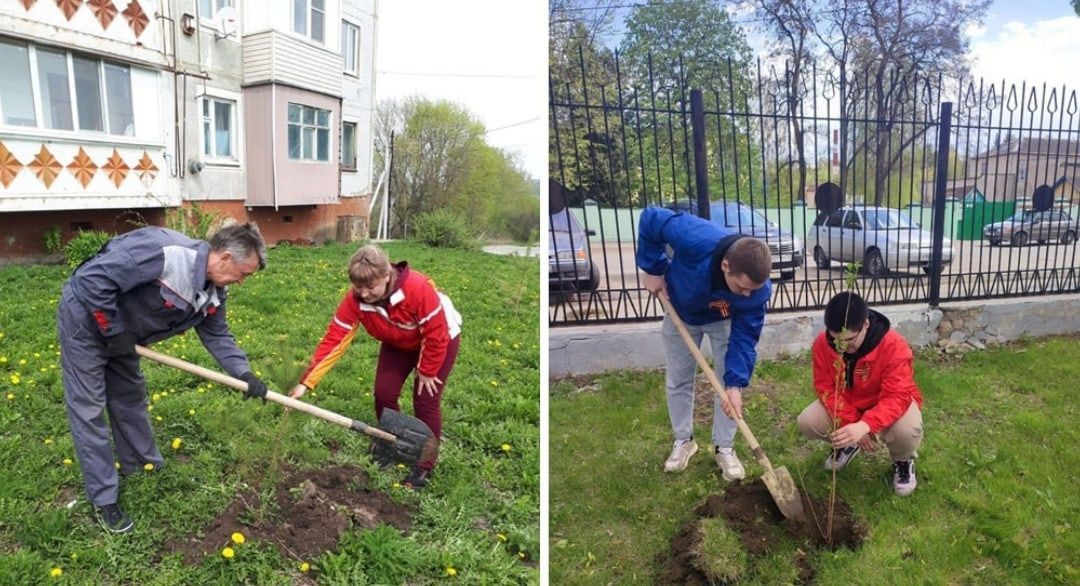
x,y
879,325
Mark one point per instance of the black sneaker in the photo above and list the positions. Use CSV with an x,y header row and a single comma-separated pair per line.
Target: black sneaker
x,y
113,518
904,477
418,478
840,458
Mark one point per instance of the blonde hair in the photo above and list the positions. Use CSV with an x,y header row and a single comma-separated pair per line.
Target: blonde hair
x,y
368,265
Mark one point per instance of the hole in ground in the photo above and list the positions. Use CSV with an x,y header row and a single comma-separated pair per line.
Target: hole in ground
x,y
312,509
749,510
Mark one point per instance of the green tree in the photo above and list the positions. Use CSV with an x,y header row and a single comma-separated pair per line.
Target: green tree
x,y
670,48
440,161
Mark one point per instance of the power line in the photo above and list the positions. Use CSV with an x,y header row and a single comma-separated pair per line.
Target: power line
x,y
523,122
443,75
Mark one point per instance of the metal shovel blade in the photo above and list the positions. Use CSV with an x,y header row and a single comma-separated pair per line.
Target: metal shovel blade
x,y
413,442
783,490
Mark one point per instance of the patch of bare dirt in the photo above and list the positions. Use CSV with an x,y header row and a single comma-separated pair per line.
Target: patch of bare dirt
x,y
311,509
751,512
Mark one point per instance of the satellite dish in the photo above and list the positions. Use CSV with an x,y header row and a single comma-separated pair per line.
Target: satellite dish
x,y
828,197
227,22
556,197
1043,198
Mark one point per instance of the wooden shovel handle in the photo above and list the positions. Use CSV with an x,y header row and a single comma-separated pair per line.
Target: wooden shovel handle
x,y
278,398
755,448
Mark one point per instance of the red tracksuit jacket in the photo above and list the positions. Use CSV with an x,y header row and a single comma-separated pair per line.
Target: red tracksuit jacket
x,y
882,388
416,316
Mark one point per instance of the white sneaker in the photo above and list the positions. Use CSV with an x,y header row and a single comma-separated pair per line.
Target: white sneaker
x,y
680,456
729,464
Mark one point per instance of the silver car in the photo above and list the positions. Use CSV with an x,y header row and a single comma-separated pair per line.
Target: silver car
x,y
1028,225
882,239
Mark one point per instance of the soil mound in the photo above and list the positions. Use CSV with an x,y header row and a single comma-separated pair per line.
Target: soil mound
x,y
750,511
311,510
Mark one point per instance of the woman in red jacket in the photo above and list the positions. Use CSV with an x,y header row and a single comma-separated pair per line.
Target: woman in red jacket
x,y
866,389
419,330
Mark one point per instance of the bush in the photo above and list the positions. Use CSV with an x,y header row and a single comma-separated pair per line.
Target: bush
x,y
194,222
84,245
52,240
443,229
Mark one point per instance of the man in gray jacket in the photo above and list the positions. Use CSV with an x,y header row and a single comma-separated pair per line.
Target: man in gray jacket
x,y
142,287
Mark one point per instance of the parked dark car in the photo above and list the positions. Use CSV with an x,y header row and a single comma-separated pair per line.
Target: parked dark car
x,y
1028,225
786,248
570,264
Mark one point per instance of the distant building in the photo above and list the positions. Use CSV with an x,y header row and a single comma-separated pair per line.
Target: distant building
x,y
113,112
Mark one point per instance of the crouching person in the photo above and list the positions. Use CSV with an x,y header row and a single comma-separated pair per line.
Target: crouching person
x,y
142,287
866,390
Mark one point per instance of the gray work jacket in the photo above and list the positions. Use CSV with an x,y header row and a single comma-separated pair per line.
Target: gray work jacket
x,y
152,282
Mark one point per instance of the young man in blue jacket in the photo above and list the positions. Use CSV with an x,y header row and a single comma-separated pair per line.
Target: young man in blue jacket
x,y
718,282
142,287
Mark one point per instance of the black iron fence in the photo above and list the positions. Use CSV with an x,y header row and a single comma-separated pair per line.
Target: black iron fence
x,y
905,187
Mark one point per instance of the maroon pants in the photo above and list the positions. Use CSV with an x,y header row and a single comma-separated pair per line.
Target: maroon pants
x,y
395,365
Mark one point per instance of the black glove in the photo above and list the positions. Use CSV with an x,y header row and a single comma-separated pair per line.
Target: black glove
x,y
121,344
256,388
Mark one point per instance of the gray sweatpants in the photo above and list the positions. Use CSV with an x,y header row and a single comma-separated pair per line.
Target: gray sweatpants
x,y
681,368
93,386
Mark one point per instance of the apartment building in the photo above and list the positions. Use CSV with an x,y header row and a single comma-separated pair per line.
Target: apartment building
x,y
114,111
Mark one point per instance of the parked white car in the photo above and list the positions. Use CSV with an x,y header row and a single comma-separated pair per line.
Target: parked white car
x,y
882,239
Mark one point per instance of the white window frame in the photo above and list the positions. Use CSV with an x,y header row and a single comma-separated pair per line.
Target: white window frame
x,y
69,56
346,28
309,10
215,95
315,147
209,18
341,150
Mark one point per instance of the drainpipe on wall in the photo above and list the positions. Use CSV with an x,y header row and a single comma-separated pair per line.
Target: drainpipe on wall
x,y
273,140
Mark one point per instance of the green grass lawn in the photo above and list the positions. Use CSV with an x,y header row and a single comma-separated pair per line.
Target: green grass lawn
x,y
478,519
997,472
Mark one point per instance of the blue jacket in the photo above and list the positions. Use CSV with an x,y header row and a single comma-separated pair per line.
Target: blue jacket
x,y
152,282
689,276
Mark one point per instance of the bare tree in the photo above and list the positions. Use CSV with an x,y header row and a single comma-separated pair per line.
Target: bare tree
x,y
880,50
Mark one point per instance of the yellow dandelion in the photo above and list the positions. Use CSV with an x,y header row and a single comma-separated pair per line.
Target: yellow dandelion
x,y
74,556
516,345
56,572
3,359
506,448
304,567
148,466
521,554
11,396
238,538
397,485
15,379
116,465
37,354
191,412
48,441
450,571
401,466
155,397
228,553
67,462
22,361
158,418
501,537
494,383
149,407
164,394
176,443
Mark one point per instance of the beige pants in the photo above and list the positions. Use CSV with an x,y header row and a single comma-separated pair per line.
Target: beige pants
x,y
902,437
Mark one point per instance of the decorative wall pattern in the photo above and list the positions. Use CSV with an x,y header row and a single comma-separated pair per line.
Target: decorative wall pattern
x,y
47,168
105,12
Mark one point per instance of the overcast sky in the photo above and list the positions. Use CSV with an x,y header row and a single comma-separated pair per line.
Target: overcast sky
x,y
487,55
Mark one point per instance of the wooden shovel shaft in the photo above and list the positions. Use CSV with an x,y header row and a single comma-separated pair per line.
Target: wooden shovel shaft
x,y
755,448
278,398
